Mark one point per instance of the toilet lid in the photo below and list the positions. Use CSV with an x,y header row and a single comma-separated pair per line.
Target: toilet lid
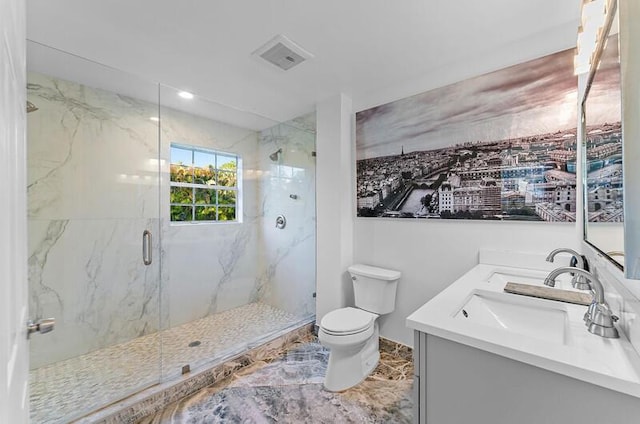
x,y
347,321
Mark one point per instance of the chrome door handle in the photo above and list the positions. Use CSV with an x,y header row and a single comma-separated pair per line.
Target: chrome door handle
x,y
41,326
146,247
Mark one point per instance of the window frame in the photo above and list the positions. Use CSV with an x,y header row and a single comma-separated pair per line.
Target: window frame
x,y
237,188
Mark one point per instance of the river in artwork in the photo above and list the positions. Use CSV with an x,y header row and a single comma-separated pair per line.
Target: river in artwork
x,y
413,204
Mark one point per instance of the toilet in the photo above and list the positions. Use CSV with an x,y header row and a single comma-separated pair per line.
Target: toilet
x,y
351,333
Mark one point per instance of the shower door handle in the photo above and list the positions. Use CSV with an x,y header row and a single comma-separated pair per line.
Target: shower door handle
x,y
146,247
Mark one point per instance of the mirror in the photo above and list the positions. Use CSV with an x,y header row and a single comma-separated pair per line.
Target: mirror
x,y
606,178
602,148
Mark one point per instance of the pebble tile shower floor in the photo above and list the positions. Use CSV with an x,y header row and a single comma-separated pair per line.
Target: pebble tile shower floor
x,y
70,388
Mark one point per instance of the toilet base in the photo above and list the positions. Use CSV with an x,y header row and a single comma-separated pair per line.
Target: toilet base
x,y
350,365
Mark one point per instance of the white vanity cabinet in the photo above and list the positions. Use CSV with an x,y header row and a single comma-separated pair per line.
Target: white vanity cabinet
x,y
483,356
456,384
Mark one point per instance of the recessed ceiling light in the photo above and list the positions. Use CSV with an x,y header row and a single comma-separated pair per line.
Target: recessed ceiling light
x,y
185,95
155,119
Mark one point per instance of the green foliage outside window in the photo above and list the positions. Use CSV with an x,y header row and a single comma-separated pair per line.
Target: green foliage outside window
x,y
205,192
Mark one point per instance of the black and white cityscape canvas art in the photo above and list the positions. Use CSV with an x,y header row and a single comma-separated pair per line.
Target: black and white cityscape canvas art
x,y
501,146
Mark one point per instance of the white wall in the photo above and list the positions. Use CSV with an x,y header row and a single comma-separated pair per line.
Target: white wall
x,y
433,254
430,254
335,165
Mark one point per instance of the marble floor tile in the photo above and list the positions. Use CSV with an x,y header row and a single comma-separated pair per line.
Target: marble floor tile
x,y
72,388
289,390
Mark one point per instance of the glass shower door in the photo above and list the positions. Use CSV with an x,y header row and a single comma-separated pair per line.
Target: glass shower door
x,y
233,280
93,224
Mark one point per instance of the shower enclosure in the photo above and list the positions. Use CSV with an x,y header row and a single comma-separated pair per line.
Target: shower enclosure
x,y
152,232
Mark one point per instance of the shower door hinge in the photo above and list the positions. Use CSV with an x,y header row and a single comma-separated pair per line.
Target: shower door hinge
x,y
41,326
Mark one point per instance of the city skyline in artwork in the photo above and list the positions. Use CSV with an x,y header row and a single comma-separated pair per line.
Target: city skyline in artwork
x,y
498,146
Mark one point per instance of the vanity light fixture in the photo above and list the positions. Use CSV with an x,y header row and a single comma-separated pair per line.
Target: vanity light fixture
x,y
594,14
154,119
185,95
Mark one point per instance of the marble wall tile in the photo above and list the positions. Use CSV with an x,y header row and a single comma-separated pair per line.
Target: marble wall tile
x,y
93,188
287,280
99,176
251,261
88,274
92,153
93,175
208,267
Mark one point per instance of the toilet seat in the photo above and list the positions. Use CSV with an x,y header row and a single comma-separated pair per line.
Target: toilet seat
x,y
347,321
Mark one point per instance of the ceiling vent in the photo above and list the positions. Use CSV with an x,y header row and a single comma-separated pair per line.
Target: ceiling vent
x,y
282,52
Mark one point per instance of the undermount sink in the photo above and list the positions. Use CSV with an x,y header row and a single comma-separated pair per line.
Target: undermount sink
x,y
524,316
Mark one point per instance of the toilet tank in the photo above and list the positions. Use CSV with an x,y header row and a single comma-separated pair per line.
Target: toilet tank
x,y
374,288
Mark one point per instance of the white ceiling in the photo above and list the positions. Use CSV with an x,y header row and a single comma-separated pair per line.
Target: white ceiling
x,y
371,50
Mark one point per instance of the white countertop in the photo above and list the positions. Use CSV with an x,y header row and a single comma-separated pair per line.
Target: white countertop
x,y
610,363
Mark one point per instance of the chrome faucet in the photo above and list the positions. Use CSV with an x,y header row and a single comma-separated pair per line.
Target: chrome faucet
x,y
578,281
598,319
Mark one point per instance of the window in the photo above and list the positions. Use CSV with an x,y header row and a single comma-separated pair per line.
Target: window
x,y
204,185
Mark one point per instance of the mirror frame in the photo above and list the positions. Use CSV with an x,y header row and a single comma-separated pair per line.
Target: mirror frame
x,y
612,10
629,10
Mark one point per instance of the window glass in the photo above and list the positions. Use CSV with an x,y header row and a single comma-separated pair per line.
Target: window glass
x,y
182,195
226,162
226,213
227,179
201,180
226,197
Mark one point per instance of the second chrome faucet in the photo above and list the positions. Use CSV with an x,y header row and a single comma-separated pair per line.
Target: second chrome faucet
x,y
578,281
598,319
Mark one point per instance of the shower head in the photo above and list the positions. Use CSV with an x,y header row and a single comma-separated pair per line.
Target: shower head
x,y
275,156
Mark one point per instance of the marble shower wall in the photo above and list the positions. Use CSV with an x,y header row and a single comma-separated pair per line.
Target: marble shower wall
x,y
288,187
94,186
92,191
211,268
208,267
